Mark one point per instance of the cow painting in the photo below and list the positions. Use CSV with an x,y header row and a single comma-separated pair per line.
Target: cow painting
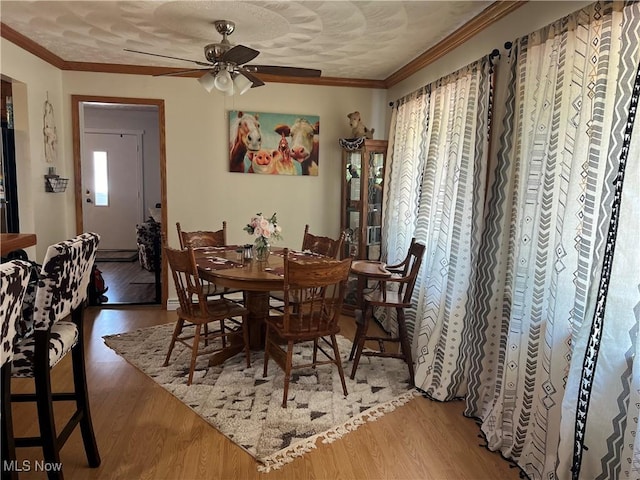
x,y
277,144
304,143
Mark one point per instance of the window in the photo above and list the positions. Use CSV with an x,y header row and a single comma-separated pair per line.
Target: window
x,y
100,179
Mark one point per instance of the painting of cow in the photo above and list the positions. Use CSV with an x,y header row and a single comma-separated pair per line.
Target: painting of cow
x,y
273,143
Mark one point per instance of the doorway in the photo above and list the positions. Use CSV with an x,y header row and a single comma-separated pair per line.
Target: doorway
x,y
9,219
113,187
119,166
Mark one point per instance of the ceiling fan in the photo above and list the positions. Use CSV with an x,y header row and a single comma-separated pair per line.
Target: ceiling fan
x,y
226,68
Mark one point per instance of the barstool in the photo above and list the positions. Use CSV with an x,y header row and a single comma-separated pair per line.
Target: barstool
x,y
47,336
14,276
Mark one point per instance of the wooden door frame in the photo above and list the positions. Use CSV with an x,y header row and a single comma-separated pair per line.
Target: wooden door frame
x,y
76,100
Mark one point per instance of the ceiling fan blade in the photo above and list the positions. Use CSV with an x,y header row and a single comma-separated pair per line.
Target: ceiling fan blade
x,y
239,55
182,72
204,64
286,71
255,80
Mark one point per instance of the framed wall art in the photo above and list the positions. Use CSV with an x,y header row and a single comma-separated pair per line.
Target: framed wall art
x,y
273,143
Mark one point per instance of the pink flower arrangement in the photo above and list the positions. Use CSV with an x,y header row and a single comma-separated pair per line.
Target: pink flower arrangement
x,y
264,229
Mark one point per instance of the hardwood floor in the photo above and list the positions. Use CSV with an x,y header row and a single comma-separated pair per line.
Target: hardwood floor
x,y
143,432
129,283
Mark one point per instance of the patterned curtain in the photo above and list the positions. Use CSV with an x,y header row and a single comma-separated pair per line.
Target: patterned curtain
x,y
528,301
438,149
403,174
552,365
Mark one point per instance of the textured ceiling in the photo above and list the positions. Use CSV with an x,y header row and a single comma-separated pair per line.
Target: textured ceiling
x,y
345,39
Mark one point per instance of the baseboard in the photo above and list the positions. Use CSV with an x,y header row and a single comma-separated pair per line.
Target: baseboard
x,y
173,304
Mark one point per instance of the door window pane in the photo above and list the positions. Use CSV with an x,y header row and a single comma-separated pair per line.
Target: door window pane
x,y
100,179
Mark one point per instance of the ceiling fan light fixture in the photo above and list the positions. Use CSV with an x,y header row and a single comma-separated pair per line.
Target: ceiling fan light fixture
x,y
223,81
242,83
207,81
226,68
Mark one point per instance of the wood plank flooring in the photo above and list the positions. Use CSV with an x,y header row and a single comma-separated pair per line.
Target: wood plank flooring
x,y
128,282
143,432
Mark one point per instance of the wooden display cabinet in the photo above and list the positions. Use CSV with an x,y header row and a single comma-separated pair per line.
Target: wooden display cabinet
x,y
363,164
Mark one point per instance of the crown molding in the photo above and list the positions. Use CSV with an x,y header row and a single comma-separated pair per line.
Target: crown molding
x,y
490,15
487,17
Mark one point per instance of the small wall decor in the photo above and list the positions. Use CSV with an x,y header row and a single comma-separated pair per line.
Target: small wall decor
x,y
49,132
273,143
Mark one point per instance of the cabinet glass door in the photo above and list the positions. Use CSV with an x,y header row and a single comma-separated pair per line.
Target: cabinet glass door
x,y
374,205
363,163
354,199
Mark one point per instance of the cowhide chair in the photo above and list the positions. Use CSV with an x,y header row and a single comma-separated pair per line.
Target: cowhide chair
x,y
148,239
48,336
14,276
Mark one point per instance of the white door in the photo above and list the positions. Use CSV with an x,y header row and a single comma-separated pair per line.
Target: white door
x,y
112,188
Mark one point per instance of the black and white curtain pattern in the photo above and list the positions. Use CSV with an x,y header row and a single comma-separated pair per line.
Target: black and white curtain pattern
x,y
553,367
438,151
403,177
529,303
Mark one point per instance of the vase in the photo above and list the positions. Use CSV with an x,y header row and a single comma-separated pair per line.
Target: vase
x,y
262,251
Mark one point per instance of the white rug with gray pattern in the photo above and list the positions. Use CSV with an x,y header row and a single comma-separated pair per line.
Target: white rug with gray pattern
x,y
246,407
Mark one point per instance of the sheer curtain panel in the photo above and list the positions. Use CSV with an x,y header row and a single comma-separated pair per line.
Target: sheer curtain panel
x,y
528,302
554,382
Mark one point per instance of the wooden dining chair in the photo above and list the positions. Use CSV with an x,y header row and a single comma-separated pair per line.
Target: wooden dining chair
x,y
395,292
228,319
318,289
326,246
203,239
399,269
14,277
49,330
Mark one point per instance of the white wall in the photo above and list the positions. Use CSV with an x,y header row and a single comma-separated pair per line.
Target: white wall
x,y
46,214
201,192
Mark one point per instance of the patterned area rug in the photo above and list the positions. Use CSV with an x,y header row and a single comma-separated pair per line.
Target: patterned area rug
x,y
246,407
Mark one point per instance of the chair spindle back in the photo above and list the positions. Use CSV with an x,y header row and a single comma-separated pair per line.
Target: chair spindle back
x,y
326,246
203,238
313,294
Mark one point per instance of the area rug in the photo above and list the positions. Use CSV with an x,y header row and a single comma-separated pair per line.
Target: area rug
x,y
247,408
116,255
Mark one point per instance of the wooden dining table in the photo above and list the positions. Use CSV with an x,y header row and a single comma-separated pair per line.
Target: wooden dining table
x,y
222,266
